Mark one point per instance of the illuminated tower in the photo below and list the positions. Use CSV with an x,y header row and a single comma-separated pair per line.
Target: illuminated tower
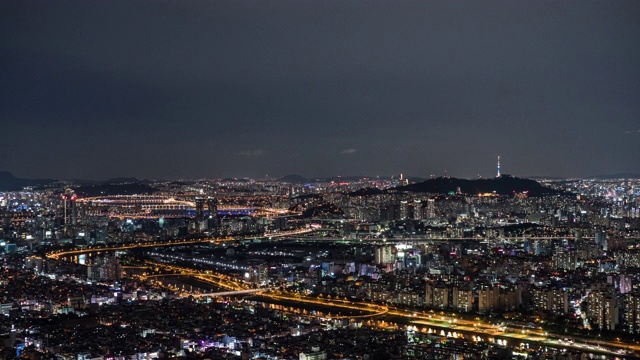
x,y
199,213
212,204
200,209
70,211
498,166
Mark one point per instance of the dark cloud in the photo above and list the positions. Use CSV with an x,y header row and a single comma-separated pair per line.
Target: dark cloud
x,y
196,89
251,153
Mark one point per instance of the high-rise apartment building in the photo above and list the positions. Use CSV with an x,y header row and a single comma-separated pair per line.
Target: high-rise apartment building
x,y
604,311
462,298
488,299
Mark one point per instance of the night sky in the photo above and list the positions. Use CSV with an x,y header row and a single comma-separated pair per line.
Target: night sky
x,y
195,89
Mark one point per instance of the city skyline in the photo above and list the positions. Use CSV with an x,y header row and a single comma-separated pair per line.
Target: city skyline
x,y
622,175
319,179
491,268
98,90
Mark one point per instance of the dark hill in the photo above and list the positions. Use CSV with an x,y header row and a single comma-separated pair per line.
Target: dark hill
x,y
127,180
114,189
293,178
367,191
118,180
339,179
324,210
504,185
239,180
8,182
308,196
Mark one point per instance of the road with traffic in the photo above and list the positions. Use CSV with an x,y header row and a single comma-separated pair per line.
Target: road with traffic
x,y
480,329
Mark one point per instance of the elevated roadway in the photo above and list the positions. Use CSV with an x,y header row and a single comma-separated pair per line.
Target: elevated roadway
x,y
477,328
61,253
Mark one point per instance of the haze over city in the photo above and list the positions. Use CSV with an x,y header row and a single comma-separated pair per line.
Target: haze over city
x,y
171,90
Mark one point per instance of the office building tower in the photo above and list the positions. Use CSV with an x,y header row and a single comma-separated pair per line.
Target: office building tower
x,y
69,198
200,208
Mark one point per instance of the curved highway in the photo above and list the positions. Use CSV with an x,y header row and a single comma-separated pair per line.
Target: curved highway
x,y
484,330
